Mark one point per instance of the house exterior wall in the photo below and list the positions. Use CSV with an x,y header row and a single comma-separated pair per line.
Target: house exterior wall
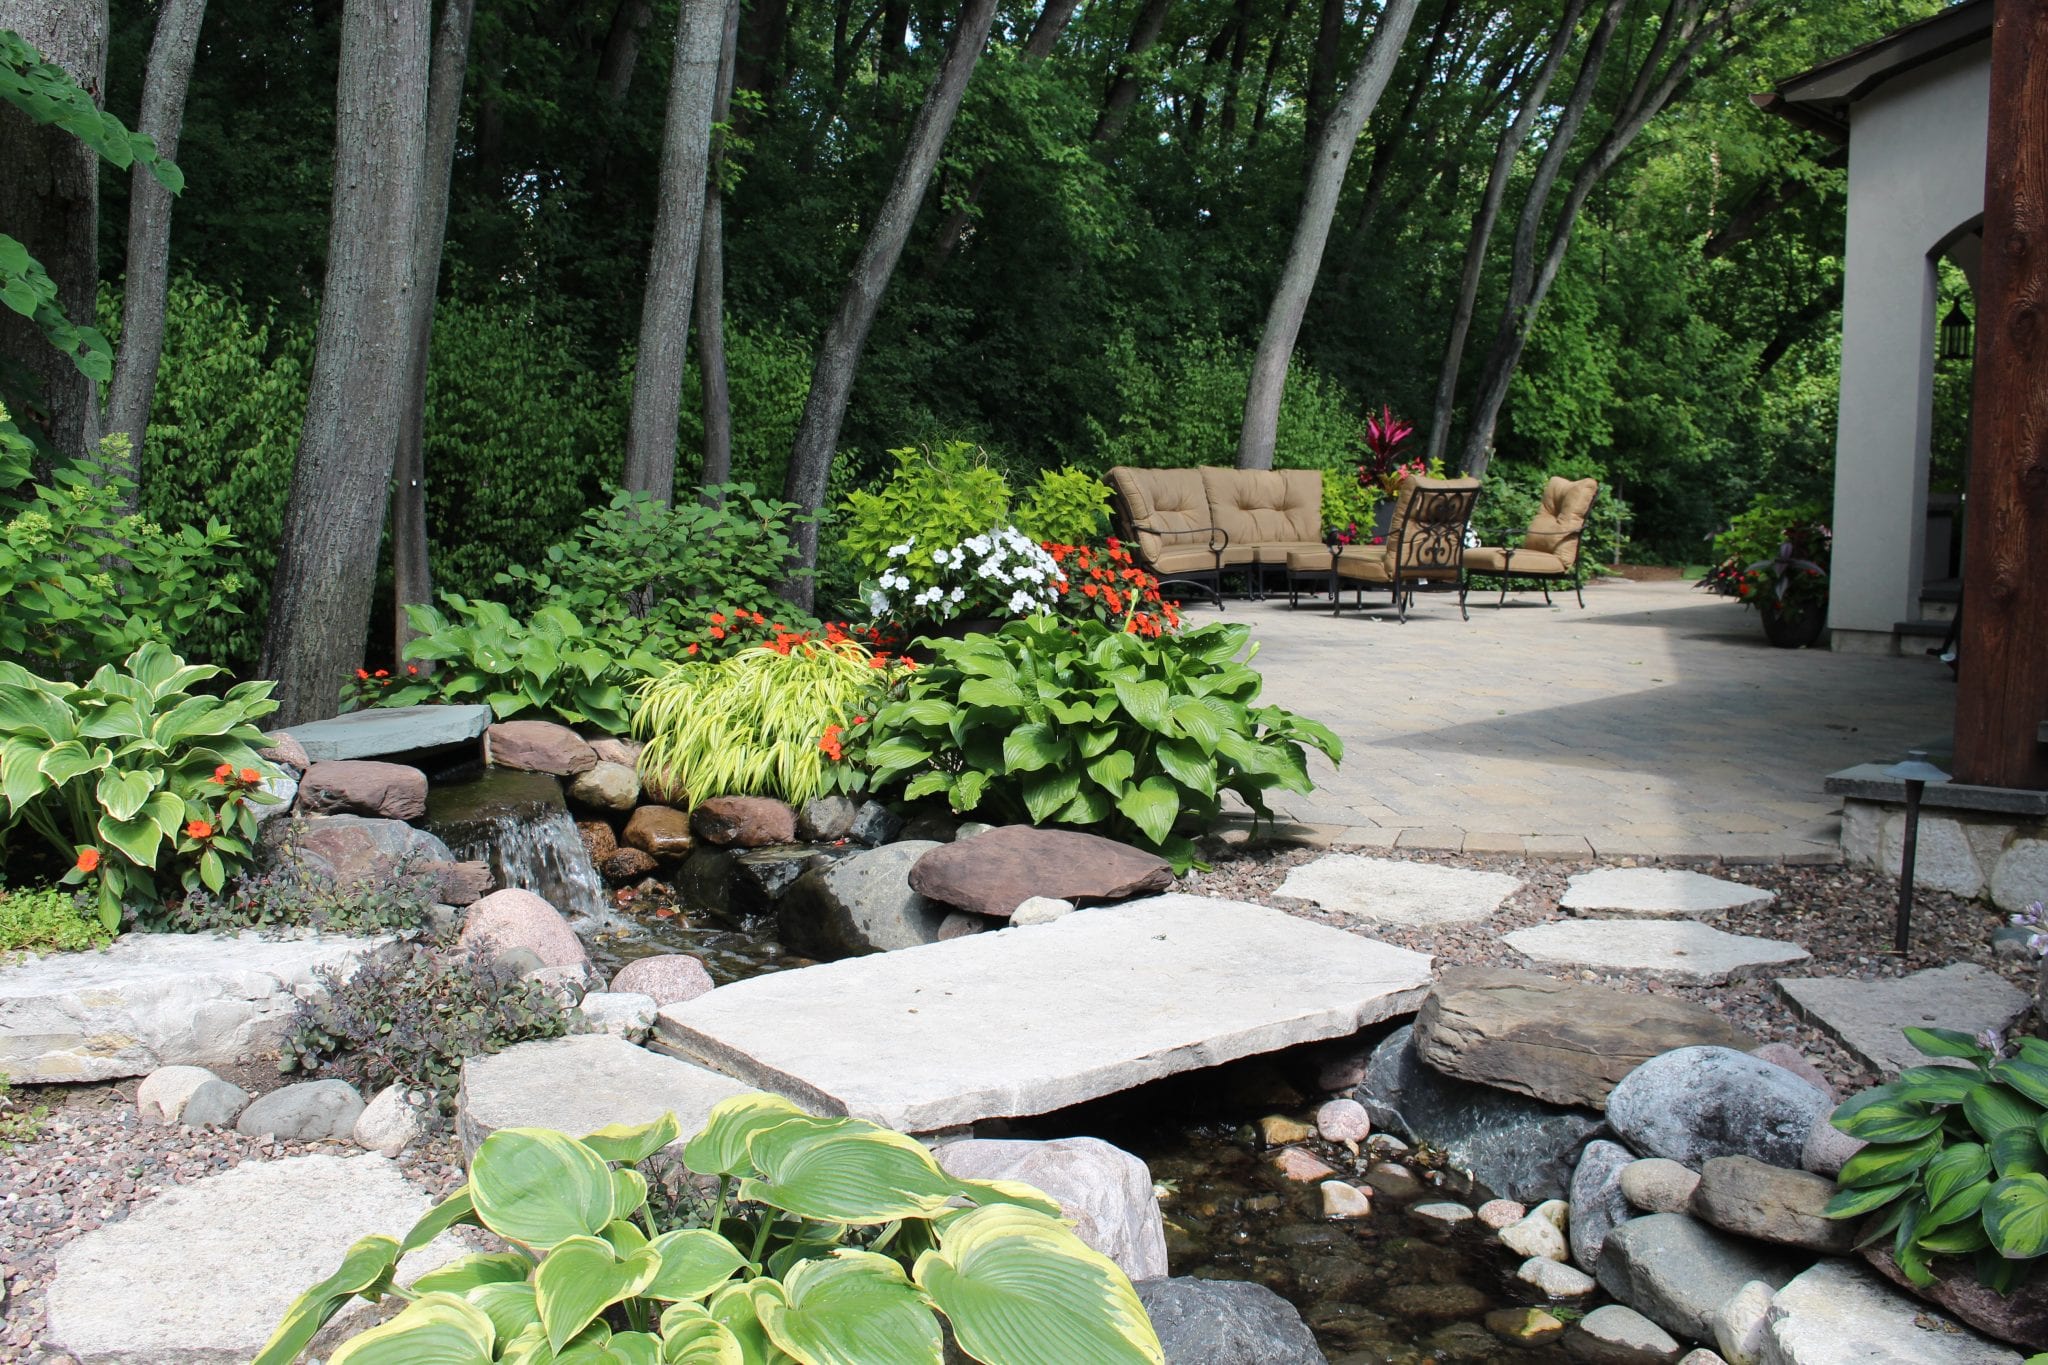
x,y
1916,174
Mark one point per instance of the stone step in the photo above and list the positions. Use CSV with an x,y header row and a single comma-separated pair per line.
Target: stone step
x,y
380,732
1677,950
1868,1017
1027,1021
1658,893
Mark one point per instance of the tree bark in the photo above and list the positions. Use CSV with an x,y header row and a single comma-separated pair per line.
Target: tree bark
x,y
672,266
710,302
412,574
1331,156
1276,49
622,48
327,557
1322,69
1482,228
149,231
817,435
1123,86
51,205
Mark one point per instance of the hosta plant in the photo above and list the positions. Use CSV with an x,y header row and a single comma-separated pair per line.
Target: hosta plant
x,y
1958,1158
135,775
828,1241
1080,723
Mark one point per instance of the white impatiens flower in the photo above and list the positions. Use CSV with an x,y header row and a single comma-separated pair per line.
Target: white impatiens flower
x,y
1021,602
959,594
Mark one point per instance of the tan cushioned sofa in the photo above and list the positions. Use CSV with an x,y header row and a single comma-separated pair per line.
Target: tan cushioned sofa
x,y
1188,525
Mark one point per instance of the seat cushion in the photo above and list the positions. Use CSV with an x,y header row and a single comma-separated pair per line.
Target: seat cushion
x,y
1276,552
1168,509
1366,564
1264,506
1554,529
1183,560
1492,559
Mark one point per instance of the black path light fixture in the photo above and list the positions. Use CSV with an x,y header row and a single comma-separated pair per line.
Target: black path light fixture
x,y
1957,342
1916,772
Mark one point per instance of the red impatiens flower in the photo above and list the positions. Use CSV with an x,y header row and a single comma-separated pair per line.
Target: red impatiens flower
x,y
363,674
223,773
198,829
251,776
718,632
830,743
717,618
88,859
692,649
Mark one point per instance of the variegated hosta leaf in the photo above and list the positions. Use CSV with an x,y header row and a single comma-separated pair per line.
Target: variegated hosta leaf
x,y
846,1171
737,1308
366,1267
634,1142
540,1188
465,1273
694,1262
691,1336
436,1329
512,1308
854,1308
581,1278
720,1147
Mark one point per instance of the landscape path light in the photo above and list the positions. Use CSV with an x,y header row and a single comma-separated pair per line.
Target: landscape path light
x,y
1916,772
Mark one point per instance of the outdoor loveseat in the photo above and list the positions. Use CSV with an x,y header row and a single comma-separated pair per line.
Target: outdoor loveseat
x,y
1188,526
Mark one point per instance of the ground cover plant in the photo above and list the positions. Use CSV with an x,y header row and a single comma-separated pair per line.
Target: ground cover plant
x,y
828,1241
282,890
48,919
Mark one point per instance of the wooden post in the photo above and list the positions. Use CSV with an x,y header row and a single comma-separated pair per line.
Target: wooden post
x,y
2002,675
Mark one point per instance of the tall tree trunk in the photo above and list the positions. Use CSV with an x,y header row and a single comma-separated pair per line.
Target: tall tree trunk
x,y
672,266
622,48
1240,44
50,203
1399,127
817,435
710,302
412,575
327,557
149,230
1276,49
1123,86
1322,69
1331,156
1482,225
762,38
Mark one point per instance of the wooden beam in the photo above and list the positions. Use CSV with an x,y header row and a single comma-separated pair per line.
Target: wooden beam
x,y
2002,682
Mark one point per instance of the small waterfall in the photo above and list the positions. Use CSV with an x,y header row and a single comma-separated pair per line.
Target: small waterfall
x,y
519,824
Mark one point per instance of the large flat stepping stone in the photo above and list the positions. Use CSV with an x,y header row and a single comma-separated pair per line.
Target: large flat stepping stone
x,y
380,731
1389,891
1839,1311
1019,1023
1658,892
1554,1040
1867,1016
204,1271
579,1084
1677,950
151,1000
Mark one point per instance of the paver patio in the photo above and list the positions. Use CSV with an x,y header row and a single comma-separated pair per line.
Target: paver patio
x,y
1656,722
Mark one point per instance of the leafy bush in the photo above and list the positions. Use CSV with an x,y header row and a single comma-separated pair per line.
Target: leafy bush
x,y
752,724
937,497
47,919
1083,724
173,785
1774,556
286,894
1957,1162
408,1014
1065,507
829,1241
1000,572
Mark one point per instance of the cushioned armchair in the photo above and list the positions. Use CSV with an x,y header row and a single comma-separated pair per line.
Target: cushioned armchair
x,y
1164,515
1549,552
1425,544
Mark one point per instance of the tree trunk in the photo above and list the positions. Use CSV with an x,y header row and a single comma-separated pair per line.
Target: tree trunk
x,y
760,49
1276,49
1482,228
672,266
710,303
839,353
1123,86
1322,69
1240,44
149,231
622,48
1331,156
412,575
51,205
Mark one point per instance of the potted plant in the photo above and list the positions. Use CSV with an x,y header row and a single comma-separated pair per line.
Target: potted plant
x,y
1788,587
1382,471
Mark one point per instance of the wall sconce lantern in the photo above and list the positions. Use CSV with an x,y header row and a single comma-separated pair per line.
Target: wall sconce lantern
x,y
1957,343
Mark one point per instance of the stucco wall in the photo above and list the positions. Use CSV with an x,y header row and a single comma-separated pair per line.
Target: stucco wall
x,y
1916,175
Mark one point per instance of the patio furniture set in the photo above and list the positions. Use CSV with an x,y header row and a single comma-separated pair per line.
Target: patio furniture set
x,y
1191,526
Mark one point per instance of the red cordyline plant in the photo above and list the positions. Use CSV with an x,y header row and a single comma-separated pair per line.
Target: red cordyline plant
x,y
1383,439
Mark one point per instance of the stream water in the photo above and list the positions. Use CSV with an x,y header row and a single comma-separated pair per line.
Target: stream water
x,y
517,822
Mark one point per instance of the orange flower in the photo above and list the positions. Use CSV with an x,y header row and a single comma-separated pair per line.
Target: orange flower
x,y
383,673
88,859
717,618
363,673
692,649
413,669
251,776
223,772
718,632
198,829
830,743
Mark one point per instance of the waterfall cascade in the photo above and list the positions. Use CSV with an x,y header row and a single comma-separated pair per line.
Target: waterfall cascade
x,y
519,824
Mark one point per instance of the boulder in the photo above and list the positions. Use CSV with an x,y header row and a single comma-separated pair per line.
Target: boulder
x,y
744,821
161,1096
286,752
606,786
2020,1317
624,752
623,865
363,787
993,873
1838,1311
1828,1149
379,731
825,818
1105,1191
538,746
1658,1185
1598,1204
1562,1042
1497,1214
959,924
623,1014
579,1084
1341,1199
515,919
284,792
598,840
1743,1195
662,831
1226,1322
1036,910
764,875
1302,1166
668,977
1796,1062
1615,1335
862,904
705,882
354,848
459,884
932,826
1538,1234
1739,1324
215,1104
306,1112
1343,1120
1678,1272
1698,1103
874,824
393,1121
1513,1146
1555,1279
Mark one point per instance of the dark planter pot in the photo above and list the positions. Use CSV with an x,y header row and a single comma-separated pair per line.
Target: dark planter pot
x,y
1382,518
1797,627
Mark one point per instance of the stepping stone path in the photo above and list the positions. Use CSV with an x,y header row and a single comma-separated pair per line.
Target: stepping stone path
x,y
204,1271
1658,893
1387,891
1095,1003
1678,950
578,1085
1867,1016
379,731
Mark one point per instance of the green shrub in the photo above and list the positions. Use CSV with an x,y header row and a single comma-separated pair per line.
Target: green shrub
x,y
1078,723
1065,507
1957,1161
828,1240
48,919
409,1013
937,497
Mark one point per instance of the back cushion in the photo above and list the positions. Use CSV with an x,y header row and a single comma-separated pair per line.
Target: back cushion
x,y
1265,506
1170,502
1565,504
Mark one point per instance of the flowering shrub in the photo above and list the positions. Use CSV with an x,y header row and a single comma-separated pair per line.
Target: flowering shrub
x,y
936,498
1107,585
1775,557
1002,572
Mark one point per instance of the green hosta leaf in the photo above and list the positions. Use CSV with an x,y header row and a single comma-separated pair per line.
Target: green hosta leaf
x,y
623,1348
629,1192
895,754
1090,806
968,788
465,1273
2018,1151
1028,748
2034,1050
694,1262
1113,770
1937,1084
1884,1162
997,692
857,1308
1186,764
1021,1289
365,1268
22,778
1145,702
70,759
1947,1042
928,784
633,1141
540,1188
2016,1216
1047,793
1089,743
122,791
1960,1204
1153,805
738,1309
846,1171
581,1278
1991,1109
456,1208
2029,1078
931,712
35,714
138,839
623,1237
510,1307
720,1147
1881,1116
691,1336
1965,1163
1199,724
1855,1203
1954,1239
437,1329
1016,1192
1067,712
